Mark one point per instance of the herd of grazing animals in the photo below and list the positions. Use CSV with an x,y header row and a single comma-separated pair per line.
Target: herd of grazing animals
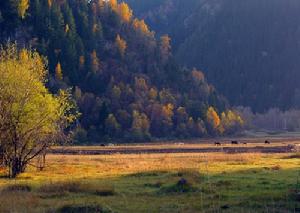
x,y
216,143
237,142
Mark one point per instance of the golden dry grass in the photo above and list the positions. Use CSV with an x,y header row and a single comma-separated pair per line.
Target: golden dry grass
x,y
101,166
133,182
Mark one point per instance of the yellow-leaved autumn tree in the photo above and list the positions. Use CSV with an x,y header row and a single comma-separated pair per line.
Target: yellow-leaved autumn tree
x,y
49,3
141,27
140,126
167,114
23,6
95,62
231,122
58,72
153,93
213,121
124,12
113,4
121,45
31,118
197,76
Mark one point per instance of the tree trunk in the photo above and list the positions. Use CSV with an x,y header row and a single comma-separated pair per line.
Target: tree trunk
x,y
16,167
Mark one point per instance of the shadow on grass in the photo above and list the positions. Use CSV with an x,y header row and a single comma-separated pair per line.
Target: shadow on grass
x,y
83,209
252,190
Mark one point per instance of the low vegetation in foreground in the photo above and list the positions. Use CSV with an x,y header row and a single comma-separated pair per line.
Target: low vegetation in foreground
x,y
211,182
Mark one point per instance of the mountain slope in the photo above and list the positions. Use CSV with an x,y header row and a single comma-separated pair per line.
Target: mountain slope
x,y
248,49
124,80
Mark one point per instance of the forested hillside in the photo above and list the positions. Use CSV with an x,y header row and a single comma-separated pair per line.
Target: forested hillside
x,y
250,50
124,79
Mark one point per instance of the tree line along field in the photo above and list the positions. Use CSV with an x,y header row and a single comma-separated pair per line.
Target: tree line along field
x,y
159,182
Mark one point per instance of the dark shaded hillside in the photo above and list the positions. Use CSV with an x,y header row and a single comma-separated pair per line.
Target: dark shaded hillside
x,y
124,79
250,50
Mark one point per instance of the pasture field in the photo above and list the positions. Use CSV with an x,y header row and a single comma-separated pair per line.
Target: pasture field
x,y
157,182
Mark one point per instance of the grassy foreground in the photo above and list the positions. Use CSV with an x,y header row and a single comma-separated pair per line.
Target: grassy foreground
x,y
211,182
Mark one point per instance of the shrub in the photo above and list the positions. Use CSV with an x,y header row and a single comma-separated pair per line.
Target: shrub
x,y
182,186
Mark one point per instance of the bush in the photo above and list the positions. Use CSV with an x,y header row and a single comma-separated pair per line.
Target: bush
x,y
182,186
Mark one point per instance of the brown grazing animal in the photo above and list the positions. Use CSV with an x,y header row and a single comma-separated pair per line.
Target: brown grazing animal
x,y
267,142
234,142
217,144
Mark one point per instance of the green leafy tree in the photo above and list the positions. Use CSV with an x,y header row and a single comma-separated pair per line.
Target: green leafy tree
x,y
31,118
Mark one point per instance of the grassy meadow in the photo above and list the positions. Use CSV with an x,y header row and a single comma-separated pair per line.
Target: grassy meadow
x,y
186,182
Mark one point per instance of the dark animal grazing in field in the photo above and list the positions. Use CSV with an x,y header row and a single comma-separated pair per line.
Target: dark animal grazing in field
x,y
245,143
102,144
234,142
217,144
267,142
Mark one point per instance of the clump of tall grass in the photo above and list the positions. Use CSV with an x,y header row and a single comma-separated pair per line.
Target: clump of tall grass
x,y
77,187
17,188
18,199
61,187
